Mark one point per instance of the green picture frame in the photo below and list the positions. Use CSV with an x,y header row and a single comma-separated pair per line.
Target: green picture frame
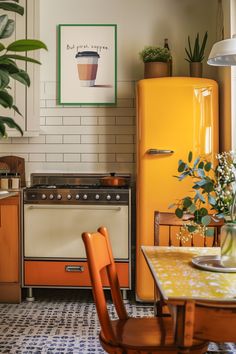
x,y
87,64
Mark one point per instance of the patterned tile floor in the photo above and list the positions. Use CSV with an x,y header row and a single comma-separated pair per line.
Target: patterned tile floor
x,y
61,322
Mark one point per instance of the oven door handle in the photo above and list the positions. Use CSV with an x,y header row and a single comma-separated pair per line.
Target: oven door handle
x,y
98,207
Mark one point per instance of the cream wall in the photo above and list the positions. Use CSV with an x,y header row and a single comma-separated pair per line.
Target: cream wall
x,y
93,139
224,80
233,78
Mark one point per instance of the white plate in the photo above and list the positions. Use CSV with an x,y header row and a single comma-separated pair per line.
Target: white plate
x,y
211,263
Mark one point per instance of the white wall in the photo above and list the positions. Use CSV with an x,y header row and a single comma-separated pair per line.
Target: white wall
x,y
93,139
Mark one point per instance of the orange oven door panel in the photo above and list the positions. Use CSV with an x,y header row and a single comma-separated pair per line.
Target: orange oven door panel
x,y
76,274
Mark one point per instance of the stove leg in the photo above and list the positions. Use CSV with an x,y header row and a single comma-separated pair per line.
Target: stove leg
x,y
124,295
30,297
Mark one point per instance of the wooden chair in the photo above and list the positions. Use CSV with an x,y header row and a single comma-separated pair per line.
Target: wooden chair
x,y
213,321
126,334
170,224
166,226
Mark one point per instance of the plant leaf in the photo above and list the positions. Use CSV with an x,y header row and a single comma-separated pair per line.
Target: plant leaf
x,y
187,202
6,100
16,110
10,123
1,46
12,7
179,213
203,46
9,66
207,166
192,208
4,79
190,156
9,29
3,22
21,57
208,187
211,200
200,173
25,45
181,167
200,196
22,76
196,161
191,228
190,48
205,220
210,231
201,164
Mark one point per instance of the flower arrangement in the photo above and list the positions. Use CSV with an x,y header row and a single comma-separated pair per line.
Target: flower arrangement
x,y
213,186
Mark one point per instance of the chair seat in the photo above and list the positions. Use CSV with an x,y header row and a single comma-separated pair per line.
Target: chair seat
x,y
147,334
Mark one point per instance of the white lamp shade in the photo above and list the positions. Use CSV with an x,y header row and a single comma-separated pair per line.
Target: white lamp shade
x,y
223,53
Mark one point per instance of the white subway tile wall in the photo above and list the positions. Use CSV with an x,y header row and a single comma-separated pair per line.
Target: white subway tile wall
x,y
79,138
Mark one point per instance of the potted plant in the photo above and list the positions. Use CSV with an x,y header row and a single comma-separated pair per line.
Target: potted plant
x,y
195,55
9,69
156,61
213,188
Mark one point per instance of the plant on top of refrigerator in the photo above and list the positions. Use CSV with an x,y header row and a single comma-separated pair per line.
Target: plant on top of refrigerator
x,y
213,186
9,69
195,53
155,54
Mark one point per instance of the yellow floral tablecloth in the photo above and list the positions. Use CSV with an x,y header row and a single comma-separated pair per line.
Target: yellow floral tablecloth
x,y
177,278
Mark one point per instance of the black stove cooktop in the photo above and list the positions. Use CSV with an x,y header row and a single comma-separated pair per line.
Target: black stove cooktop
x,y
74,189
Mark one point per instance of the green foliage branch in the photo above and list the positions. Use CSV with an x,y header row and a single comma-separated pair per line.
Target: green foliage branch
x,y
212,186
196,53
9,69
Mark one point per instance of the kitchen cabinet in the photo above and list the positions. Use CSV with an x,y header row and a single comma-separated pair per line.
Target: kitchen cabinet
x,y
10,286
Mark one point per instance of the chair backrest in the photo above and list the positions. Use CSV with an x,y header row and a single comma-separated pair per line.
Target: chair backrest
x,y
210,321
100,259
167,226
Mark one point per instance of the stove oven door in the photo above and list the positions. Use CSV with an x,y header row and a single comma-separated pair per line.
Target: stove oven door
x,y
54,231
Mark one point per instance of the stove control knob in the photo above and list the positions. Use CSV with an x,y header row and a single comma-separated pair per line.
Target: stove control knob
x,y
117,197
51,196
77,196
69,196
59,196
85,196
108,197
44,196
97,196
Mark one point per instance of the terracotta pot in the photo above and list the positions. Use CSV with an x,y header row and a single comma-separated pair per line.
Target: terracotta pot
x,y
156,69
195,69
113,180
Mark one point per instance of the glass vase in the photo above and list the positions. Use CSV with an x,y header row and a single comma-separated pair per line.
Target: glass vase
x,y
228,245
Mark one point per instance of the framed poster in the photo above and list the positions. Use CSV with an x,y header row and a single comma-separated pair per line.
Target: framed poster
x,y
87,64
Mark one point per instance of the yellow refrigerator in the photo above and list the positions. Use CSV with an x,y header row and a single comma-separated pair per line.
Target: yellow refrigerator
x,y
174,115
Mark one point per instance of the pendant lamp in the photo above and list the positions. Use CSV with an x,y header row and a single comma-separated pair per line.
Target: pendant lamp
x,y
223,53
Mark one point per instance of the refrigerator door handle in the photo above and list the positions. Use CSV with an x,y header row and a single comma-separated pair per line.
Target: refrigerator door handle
x,y
159,152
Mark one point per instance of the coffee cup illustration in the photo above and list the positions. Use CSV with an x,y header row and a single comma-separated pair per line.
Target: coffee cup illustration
x,y
87,64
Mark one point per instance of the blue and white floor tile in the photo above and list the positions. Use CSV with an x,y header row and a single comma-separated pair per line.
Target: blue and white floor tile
x,y
62,325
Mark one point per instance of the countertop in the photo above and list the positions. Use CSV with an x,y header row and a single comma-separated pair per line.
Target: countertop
x,y
6,194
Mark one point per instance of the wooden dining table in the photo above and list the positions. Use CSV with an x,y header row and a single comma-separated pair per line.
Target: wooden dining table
x,y
181,283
